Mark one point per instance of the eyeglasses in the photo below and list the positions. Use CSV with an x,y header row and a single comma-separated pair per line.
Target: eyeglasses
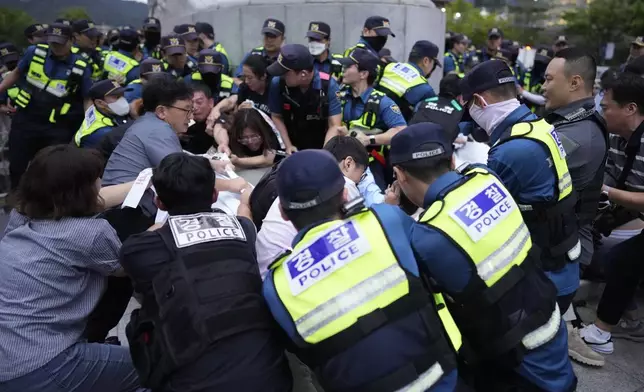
x,y
187,111
248,139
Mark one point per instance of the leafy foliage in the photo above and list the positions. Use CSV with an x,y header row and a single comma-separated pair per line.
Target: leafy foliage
x,y
74,13
12,25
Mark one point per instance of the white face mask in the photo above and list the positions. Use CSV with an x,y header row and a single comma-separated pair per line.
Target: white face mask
x,y
120,107
490,116
316,48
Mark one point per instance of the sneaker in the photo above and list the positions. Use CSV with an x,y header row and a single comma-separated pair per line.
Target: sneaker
x,y
629,329
579,351
597,339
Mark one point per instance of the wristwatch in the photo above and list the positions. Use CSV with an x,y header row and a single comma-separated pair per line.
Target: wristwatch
x,y
372,140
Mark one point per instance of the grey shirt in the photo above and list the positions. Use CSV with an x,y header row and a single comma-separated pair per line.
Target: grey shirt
x,y
52,275
585,149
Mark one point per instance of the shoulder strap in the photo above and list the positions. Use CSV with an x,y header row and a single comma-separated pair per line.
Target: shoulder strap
x,y
631,152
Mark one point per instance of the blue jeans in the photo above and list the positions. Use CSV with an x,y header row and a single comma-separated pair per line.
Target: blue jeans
x,y
83,367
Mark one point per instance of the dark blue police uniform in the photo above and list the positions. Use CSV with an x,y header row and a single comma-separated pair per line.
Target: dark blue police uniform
x,y
388,116
272,27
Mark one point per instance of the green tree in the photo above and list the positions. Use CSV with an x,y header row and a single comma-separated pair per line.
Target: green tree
x,y
12,25
463,17
74,13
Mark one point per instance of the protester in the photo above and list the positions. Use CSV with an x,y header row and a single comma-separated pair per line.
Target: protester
x,y
197,139
253,142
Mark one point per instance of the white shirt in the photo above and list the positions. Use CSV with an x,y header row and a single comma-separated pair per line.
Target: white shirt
x,y
277,234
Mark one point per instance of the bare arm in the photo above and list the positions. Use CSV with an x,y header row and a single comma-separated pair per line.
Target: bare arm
x,y
335,123
264,160
632,200
281,127
385,138
114,195
244,203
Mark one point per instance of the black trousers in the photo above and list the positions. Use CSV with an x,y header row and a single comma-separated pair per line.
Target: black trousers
x,y
624,273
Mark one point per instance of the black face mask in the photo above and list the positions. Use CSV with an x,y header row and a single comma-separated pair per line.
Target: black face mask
x,y
212,80
376,43
152,38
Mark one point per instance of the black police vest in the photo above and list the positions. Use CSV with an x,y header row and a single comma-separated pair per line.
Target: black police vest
x,y
307,118
209,292
588,198
263,196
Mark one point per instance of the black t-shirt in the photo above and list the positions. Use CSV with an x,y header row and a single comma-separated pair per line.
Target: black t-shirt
x,y
196,140
260,100
250,361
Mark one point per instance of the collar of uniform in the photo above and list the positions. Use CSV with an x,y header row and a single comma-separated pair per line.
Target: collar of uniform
x,y
364,97
438,185
420,71
563,112
69,60
519,114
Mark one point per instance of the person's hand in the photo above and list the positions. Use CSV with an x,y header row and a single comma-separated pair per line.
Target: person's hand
x,y
212,117
155,227
362,138
224,149
270,155
245,194
392,194
246,105
7,109
220,166
237,184
234,159
290,149
342,130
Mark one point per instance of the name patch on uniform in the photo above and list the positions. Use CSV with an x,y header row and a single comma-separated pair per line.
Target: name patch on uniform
x,y
90,117
194,229
405,71
483,212
555,137
335,249
442,108
116,63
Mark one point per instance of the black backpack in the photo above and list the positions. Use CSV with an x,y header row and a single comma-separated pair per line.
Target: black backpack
x,y
264,194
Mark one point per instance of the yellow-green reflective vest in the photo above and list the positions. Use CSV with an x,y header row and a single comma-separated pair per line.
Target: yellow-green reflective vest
x,y
117,65
57,88
481,218
367,121
97,69
527,79
342,271
94,120
457,63
12,92
225,86
399,78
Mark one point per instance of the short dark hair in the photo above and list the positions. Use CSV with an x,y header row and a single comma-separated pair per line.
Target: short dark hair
x,y
449,86
60,182
608,76
201,87
628,88
164,91
325,210
184,183
249,118
346,146
426,169
373,75
505,91
579,62
257,65
635,66
415,57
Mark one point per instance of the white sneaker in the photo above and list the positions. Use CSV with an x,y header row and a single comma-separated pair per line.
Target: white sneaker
x,y
597,339
580,351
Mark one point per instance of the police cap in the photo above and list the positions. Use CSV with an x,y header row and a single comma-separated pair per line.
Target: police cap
x,y
210,61
425,48
8,53
380,25
420,141
494,32
318,31
308,178
173,44
205,28
151,24
292,57
486,76
273,27
561,40
151,66
187,31
64,21
129,36
85,27
36,30
59,33
639,41
103,88
365,60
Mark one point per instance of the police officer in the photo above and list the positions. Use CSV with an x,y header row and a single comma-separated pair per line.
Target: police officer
x,y
149,68
560,43
53,82
152,35
473,245
175,57
9,57
368,113
109,110
121,65
85,41
528,156
319,37
191,39
375,32
454,57
223,340
491,51
210,69
304,104
35,33
532,79
110,42
274,32
207,41
350,300
406,83
444,110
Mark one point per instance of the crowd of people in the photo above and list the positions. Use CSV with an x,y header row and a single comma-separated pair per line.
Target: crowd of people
x,y
376,253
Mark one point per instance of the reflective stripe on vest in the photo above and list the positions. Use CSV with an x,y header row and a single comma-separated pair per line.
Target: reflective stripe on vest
x,y
457,66
400,77
369,117
220,48
94,120
117,64
135,81
225,85
544,133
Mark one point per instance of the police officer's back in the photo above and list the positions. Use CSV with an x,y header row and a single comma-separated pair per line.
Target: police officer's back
x,y
349,300
445,109
474,246
121,64
203,325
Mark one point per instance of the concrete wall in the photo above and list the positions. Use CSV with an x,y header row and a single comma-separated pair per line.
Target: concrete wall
x,y
238,23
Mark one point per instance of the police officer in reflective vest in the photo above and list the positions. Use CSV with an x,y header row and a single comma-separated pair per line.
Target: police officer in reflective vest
x,y
175,56
472,244
207,41
532,79
319,37
152,35
210,71
491,51
528,156
203,324
85,40
148,69
53,83
454,58
109,110
189,34
374,36
35,33
304,103
273,31
368,114
406,83
348,294
9,57
121,65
